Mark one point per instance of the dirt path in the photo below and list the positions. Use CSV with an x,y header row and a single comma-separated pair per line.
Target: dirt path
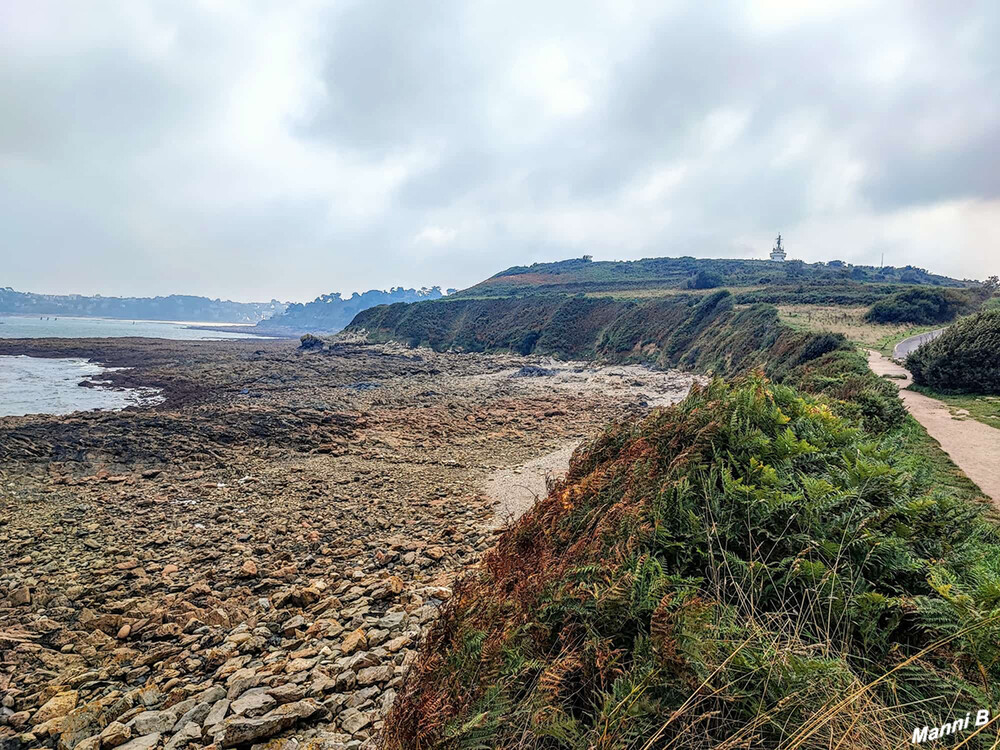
x,y
974,446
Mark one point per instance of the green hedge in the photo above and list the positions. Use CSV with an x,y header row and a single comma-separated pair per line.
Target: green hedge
x,y
963,359
922,306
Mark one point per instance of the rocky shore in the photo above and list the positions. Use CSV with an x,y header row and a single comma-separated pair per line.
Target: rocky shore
x,y
253,561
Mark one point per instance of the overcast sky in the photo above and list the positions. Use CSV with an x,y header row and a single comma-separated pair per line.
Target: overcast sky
x,y
286,149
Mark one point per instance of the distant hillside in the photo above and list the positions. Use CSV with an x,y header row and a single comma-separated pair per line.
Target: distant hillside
x,y
635,310
703,332
174,307
331,313
765,281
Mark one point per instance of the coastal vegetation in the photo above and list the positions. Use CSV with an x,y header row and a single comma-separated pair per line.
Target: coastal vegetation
x,y
747,568
923,306
706,280
833,279
849,321
963,359
330,313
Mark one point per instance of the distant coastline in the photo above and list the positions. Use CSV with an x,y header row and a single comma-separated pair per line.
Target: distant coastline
x,y
169,308
25,326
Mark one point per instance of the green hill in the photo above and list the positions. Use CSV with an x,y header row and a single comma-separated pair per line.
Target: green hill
x,y
822,281
173,307
330,313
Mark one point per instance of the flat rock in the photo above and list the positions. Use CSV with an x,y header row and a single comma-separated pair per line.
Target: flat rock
x,y
57,706
373,675
114,734
353,720
188,733
152,722
254,702
217,713
146,742
240,730
354,641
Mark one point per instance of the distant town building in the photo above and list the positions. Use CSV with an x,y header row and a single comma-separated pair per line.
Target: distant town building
x,y
778,252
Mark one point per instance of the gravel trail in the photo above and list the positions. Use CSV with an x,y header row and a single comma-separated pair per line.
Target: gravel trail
x,y
974,446
907,345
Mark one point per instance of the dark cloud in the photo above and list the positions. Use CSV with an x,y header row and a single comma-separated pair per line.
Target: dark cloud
x,y
259,150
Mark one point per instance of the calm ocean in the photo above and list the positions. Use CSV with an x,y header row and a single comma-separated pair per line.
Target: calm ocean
x,y
37,385
49,326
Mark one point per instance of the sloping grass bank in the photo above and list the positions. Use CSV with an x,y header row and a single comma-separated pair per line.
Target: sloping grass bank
x,y
745,569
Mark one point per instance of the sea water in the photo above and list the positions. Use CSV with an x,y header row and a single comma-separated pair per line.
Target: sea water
x,y
37,385
52,326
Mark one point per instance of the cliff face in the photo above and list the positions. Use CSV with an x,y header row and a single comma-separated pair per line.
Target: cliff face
x,y
331,313
699,331
174,307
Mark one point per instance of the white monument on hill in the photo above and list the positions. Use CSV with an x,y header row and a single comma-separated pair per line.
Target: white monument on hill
x,y
778,252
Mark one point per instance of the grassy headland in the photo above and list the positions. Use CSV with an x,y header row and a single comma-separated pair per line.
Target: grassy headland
x,y
836,279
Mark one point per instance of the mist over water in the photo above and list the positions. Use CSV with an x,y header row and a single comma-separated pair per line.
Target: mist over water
x,y
50,326
35,385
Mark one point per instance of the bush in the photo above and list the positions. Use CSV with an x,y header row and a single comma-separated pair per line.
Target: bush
x,y
856,393
310,342
963,359
705,280
743,570
920,306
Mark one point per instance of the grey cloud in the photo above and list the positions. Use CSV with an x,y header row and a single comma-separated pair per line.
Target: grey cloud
x,y
156,148
397,74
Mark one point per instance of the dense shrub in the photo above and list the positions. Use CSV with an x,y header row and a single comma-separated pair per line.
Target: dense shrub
x,y
856,393
705,280
742,570
921,306
965,358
